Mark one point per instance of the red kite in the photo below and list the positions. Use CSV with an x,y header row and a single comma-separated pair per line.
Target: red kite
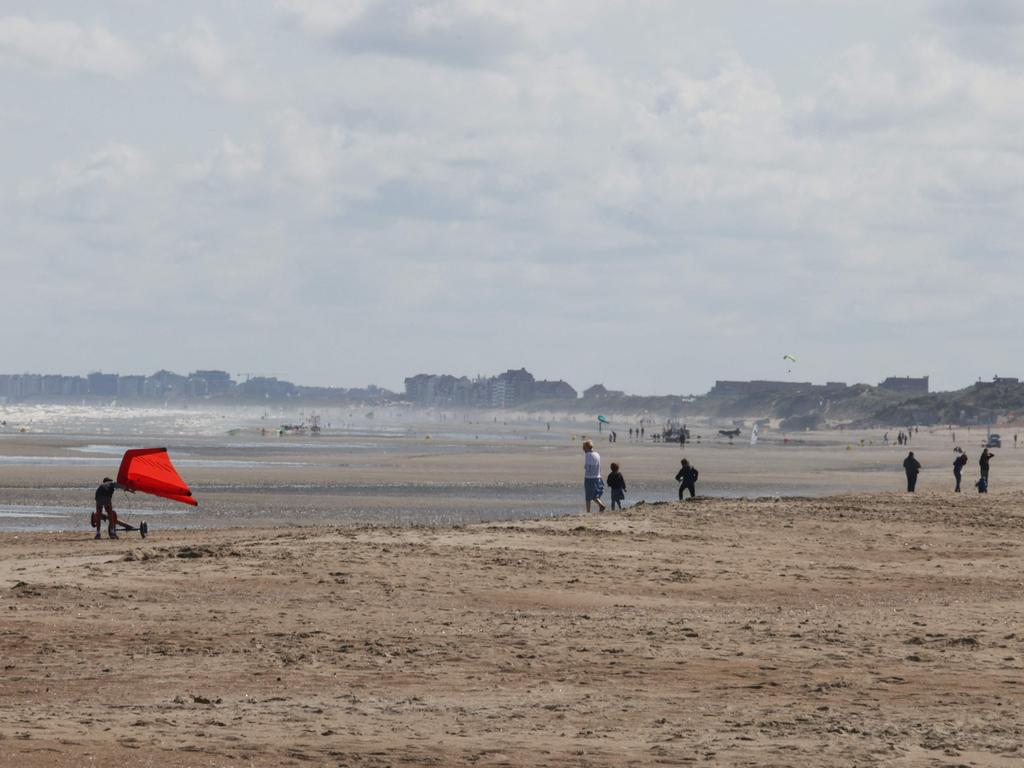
x,y
149,470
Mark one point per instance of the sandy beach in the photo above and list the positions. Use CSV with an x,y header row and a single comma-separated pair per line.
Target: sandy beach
x,y
327,303
875,629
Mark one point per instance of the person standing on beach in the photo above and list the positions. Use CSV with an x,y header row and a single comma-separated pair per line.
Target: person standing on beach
x,y
618,485
912,466
986,457
593,485
105,505
687,478
958,465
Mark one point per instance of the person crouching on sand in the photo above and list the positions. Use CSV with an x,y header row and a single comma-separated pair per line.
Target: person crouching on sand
x,y
687,477
618,485
105,508
593,485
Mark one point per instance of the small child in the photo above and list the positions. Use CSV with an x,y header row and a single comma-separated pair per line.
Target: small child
x,y
618,485
687,478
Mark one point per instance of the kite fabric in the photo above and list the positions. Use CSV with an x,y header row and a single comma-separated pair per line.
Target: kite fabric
x,y
149,470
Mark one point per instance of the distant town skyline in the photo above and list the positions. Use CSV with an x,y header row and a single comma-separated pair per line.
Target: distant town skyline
x,y
507,389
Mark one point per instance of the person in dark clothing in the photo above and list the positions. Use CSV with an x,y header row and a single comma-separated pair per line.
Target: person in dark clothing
x,y
687,477
912,467
618,485
986,456
958,465
105,508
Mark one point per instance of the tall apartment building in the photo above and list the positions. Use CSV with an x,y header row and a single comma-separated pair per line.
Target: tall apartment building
x,y
213,383
104,384
512,388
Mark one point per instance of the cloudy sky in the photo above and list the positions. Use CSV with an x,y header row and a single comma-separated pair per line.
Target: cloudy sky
x,y
651,194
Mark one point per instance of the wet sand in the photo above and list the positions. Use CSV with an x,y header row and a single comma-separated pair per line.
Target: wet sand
x,y
517,471
877,629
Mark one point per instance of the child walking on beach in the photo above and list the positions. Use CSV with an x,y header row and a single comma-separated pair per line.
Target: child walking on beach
x,y
687,478
618,485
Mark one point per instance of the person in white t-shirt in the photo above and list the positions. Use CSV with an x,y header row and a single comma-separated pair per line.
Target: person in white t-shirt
x,y
593,485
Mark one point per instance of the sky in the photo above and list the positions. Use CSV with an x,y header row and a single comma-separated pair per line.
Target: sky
x,y
651,194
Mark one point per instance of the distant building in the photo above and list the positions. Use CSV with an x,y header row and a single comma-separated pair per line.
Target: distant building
x,y
427,389
480,391
418,388
166,385
512,388
103,384
996,380
20,385
73,386
133,387
263,387
907,385
214,383
553,390
53,385
508,390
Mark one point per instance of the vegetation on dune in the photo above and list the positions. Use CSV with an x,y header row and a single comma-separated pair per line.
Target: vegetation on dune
x,y
859,405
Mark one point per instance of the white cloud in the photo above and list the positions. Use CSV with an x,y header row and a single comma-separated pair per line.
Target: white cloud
x,y
324,17
312,151
231,163
450,32
204,49
212,59
64,46
991,31
88,183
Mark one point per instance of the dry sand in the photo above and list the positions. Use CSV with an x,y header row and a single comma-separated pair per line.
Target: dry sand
x,y
871,630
